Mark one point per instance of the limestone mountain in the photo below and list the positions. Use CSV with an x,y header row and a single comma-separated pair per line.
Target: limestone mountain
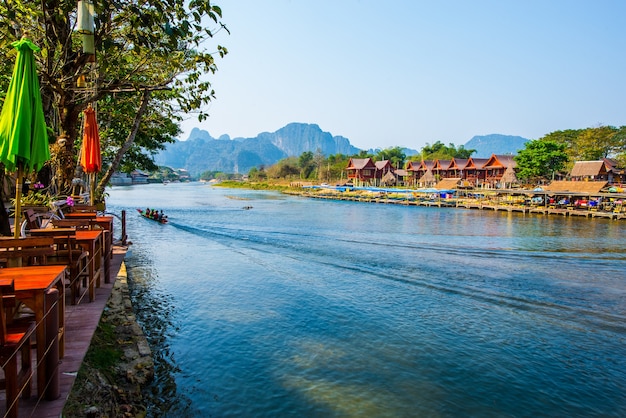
x,y
201,152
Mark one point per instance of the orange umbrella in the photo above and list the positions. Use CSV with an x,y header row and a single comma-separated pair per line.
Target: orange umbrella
x,y
90,156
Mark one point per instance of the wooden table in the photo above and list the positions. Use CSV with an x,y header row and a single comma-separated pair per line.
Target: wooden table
x,y
31,284
106,223
92,242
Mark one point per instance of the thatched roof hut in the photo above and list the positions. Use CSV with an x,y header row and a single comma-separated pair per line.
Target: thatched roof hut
x,y
447,184
428,177
509,176
588,187
389,178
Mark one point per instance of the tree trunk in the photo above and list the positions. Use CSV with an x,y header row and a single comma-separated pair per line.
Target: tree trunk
x,y
129,141
5,226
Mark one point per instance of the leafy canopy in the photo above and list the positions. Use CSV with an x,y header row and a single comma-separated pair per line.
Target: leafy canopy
x,y
540,159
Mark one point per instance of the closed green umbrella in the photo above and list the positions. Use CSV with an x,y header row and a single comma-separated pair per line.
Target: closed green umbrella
x,y
23,133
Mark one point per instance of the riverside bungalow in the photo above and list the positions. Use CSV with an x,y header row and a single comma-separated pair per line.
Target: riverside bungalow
x,y
617,174
402,176
361,170
495,167
456,167
590,170
411,169
601,170
441,169
383,168
474,172
421,173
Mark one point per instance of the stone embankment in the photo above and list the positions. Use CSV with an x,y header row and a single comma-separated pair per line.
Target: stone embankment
x,y
117,366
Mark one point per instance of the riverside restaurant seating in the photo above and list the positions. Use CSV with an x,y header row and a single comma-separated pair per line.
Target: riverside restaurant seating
x,y
41,290
14,341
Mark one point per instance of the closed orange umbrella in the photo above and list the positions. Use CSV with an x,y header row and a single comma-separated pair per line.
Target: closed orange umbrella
x,y
90,156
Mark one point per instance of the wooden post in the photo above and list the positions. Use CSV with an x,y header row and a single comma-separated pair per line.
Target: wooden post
x,y
124,227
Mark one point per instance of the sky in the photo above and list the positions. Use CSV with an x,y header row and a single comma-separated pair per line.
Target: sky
x,y
411,72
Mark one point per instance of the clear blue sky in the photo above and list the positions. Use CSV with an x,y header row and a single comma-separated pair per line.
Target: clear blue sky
x,y
411,72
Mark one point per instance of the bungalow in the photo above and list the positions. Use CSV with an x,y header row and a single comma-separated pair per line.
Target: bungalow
x,y
421,172
495,167
455,170
602,170
441,169
474,172
363,170
383,168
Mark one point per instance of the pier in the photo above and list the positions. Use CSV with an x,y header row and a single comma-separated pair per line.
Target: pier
x,y
587,201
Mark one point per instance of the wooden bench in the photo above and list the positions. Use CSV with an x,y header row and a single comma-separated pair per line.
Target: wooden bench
x,y
30,251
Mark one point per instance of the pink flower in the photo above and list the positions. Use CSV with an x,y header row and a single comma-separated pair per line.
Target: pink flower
x,y
69,201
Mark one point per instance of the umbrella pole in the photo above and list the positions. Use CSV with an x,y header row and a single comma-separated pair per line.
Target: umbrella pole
x,y
18,201
92,187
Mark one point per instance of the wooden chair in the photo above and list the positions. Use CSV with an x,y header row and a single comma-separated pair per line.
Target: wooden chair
x,y
75,223
29,251
58,249
14,340
66,252
84,208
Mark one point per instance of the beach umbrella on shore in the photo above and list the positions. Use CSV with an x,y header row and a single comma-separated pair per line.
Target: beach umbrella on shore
x,y
23,132
90,156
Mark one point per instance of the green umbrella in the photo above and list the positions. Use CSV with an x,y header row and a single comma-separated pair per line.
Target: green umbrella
x,y
23,133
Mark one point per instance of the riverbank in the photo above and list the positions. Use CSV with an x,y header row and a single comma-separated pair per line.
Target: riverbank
x,y
117,365
493,200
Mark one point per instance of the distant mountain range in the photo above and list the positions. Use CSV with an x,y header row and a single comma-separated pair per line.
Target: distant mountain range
x,y
201,152
486,145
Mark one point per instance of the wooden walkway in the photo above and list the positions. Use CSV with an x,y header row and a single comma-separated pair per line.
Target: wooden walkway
x,y
80,324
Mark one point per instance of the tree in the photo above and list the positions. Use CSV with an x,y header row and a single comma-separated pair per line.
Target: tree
x,y
150,59
318,160
591,144
305,162
285,168
395,155
439,151
597,143
540,159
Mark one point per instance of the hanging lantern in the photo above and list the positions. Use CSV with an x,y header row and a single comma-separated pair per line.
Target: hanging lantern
x,y
81,82
84,18
88,44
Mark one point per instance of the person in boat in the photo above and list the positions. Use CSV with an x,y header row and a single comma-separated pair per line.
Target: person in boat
x,y
161,216
147,212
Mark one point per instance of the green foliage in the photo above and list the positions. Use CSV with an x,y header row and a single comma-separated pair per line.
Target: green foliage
x,y
395,155
540,159
104,352
306,165
157,46
218,175
591,144
257,174
439,151
285,169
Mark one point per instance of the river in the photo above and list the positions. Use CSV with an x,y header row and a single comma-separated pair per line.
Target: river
x,y
259,304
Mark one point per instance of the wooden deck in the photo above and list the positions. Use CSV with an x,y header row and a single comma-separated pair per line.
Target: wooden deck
x,y
80,324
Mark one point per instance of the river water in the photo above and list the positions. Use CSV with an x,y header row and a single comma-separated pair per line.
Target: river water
x,y
319,308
